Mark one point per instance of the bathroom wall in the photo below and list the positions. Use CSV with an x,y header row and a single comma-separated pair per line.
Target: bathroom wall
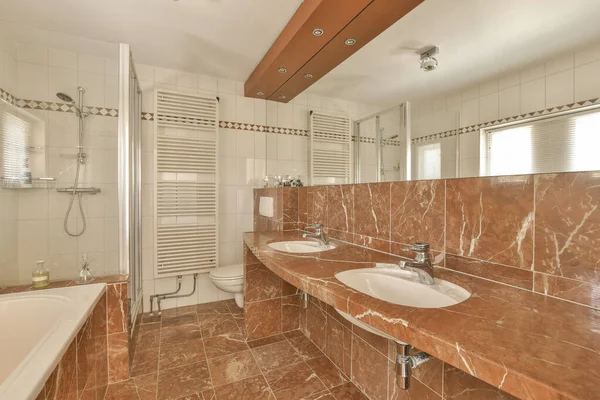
x,y
533,232
565,79
256,138
8,198
41,73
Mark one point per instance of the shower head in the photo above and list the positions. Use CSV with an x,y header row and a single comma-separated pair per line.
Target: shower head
x,y
65,97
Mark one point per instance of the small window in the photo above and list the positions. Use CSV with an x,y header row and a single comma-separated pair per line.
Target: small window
x,y
562,143
15,137
509,151
430,161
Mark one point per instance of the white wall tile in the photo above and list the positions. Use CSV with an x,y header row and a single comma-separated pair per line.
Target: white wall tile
x,y
32,54
111,67
587,55
532,73
260,111
300,117
559,64
227,142
245,200
227,200
560,88
227,170
244,172
285,115
90,63
587,81
62,80
227,107
488,87
145,72
62,59
245,144
226,86
285,147
245,110
466,94
186,79
509,81
165,75
488,107
509,103
470,112
314,101
208,83
32,81
272,113
533,95
94,85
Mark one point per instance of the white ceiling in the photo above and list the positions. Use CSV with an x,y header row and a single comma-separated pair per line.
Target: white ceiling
x,y
224,38
478,39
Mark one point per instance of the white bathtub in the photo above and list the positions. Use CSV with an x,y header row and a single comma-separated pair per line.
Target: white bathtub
x,y
36,328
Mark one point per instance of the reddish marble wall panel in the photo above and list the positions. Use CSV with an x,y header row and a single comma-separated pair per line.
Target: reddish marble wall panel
x,y
479,226
271,306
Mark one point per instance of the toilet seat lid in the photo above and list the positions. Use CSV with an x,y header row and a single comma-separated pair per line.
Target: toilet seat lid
x,y
234,271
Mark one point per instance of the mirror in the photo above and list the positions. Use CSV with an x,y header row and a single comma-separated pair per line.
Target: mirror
x,y
516,97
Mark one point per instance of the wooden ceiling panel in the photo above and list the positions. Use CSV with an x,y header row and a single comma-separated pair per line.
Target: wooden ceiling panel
x,y
376,18
296,44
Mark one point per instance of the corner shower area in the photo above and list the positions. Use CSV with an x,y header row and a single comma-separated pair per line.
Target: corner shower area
x,y
70,161
382,146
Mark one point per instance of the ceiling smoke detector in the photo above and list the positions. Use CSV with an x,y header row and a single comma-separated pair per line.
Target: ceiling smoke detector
x,y
427,60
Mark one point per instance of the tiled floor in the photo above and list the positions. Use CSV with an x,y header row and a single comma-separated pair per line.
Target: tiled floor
x,y
199,353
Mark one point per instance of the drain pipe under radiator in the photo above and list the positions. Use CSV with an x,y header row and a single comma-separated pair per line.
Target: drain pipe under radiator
x,y
405,364
176,296
154,296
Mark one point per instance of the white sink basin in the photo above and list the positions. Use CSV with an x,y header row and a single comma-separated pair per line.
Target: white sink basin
x,y
300,246
402,287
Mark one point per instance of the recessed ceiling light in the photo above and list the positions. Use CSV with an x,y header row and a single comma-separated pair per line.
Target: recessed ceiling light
x,y
260,93
350,42
282,97
282,70
318,32
308,76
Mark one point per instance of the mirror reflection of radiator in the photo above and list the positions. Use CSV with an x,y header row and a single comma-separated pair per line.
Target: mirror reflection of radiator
x,y
330,149
186,159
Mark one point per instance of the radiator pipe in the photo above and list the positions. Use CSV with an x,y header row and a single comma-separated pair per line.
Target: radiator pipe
x,y
176,296
156,296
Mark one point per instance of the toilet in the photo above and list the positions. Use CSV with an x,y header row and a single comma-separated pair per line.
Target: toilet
x,y
230,279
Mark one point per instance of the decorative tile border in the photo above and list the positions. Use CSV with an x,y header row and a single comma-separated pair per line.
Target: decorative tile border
x,y
262,128
477,127
148,116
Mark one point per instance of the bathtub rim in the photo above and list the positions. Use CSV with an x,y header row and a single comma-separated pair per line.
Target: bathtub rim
x,y
28,379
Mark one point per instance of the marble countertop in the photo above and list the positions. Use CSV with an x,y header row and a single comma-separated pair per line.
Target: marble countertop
x,y
529,345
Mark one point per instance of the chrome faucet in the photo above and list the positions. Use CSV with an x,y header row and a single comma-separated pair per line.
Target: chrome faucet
x,y
319,234
421,265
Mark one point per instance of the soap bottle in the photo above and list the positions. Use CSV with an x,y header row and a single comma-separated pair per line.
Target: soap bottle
x,y
41,276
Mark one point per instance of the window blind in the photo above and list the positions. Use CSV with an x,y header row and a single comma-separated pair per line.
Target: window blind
x,y
558,144
15,137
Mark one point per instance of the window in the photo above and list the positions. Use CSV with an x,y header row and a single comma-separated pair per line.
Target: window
x,y
430,161
15,135
556,144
